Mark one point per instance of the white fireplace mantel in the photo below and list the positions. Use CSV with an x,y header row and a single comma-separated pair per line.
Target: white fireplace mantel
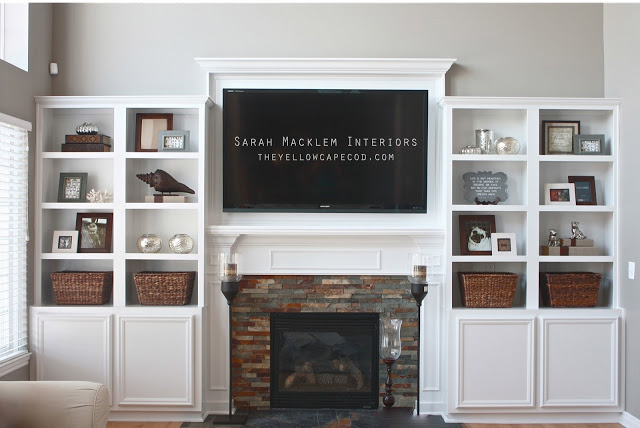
x,y
324,250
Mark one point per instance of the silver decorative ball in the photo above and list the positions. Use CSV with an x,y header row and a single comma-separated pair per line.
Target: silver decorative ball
x,y
149,243
181,243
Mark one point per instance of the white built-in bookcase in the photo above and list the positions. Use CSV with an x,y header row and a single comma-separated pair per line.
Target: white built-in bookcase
x,y
524,212
115,171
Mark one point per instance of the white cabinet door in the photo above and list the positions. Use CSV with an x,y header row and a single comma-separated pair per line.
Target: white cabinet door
x,y
156,361
73,347
580,362
495,363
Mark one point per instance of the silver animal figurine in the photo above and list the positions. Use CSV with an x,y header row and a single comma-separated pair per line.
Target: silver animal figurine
x,y
554,241
575,232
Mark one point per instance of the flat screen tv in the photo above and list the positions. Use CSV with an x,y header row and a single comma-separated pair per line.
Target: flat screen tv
x,y
325,150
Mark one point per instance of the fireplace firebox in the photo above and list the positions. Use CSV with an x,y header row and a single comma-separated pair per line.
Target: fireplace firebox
x,y
325,360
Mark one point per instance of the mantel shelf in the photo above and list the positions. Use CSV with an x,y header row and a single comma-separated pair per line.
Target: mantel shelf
x,y
322,230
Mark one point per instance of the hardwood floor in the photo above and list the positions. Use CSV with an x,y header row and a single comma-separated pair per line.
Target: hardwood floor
x,y
177,425
544,425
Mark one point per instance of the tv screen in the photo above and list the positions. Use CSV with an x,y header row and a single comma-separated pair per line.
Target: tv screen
x,y
325,150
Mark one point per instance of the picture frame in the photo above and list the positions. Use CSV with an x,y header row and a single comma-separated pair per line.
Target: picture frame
x,y
72,187
503,244
588,144
64,241
172,141
95,232
148,125
558,136
475,234
559,194
585,189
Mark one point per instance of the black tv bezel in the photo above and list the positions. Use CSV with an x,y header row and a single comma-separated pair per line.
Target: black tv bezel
x,y
327,208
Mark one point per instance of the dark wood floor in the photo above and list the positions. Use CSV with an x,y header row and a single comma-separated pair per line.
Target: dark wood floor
x,y
393,420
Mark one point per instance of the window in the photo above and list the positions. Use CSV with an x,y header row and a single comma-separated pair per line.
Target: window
x,y
14,34
13,235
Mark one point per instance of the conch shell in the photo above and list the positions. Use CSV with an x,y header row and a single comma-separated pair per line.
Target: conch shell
x,y
163,182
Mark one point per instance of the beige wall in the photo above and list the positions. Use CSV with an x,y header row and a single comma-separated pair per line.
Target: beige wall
x,y
502,49
622,68
17,89
20,374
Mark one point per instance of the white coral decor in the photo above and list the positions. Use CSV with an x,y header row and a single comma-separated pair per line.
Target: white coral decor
x,y
100,196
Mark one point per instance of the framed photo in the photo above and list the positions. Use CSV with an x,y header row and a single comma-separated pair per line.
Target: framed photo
x,y
72,187
558,136
95,231
148,126
475,234
65,241
173,140
559,194
503,244
585,189
588,144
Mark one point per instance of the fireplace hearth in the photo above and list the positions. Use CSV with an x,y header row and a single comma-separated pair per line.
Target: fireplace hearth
x,y
324,360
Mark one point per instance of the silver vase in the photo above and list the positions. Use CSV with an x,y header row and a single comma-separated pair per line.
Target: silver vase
x,y
181,243
149,243
484,140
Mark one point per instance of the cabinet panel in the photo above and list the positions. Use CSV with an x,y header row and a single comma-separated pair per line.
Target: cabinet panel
x,y
580,362
74,347
495,363
149,346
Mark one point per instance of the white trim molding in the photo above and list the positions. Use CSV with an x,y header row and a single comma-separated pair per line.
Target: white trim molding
x,y
629,421
15,363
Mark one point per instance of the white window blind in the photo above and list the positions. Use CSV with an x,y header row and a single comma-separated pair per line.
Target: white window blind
x,y
13,235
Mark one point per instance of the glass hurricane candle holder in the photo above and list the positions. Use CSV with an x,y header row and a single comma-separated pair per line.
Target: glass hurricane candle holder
x,y
228,267
390,350
419,268
390,343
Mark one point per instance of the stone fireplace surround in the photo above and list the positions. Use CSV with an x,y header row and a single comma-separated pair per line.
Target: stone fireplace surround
x,y
261,295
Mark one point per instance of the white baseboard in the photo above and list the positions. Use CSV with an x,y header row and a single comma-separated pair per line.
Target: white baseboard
x,y
155,416
629,421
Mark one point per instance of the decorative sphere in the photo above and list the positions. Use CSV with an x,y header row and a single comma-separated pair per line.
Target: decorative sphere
x,y
507,146
149,243
181,243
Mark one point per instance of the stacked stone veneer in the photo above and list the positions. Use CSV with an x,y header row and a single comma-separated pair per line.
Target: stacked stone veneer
x,y
259,296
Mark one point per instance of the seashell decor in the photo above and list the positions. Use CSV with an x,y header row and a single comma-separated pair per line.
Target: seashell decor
x,y
163,182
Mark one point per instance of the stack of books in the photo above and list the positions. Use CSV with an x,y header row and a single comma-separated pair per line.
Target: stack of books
x,y
87,143
571,247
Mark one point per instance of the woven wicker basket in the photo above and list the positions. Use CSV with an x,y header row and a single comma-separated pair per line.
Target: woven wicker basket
x,y
487,289
570,289
82,288
164,288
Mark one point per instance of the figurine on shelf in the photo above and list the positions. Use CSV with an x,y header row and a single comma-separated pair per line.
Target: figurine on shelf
x,y
86,129
554,241
99,196
575,232
163,182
